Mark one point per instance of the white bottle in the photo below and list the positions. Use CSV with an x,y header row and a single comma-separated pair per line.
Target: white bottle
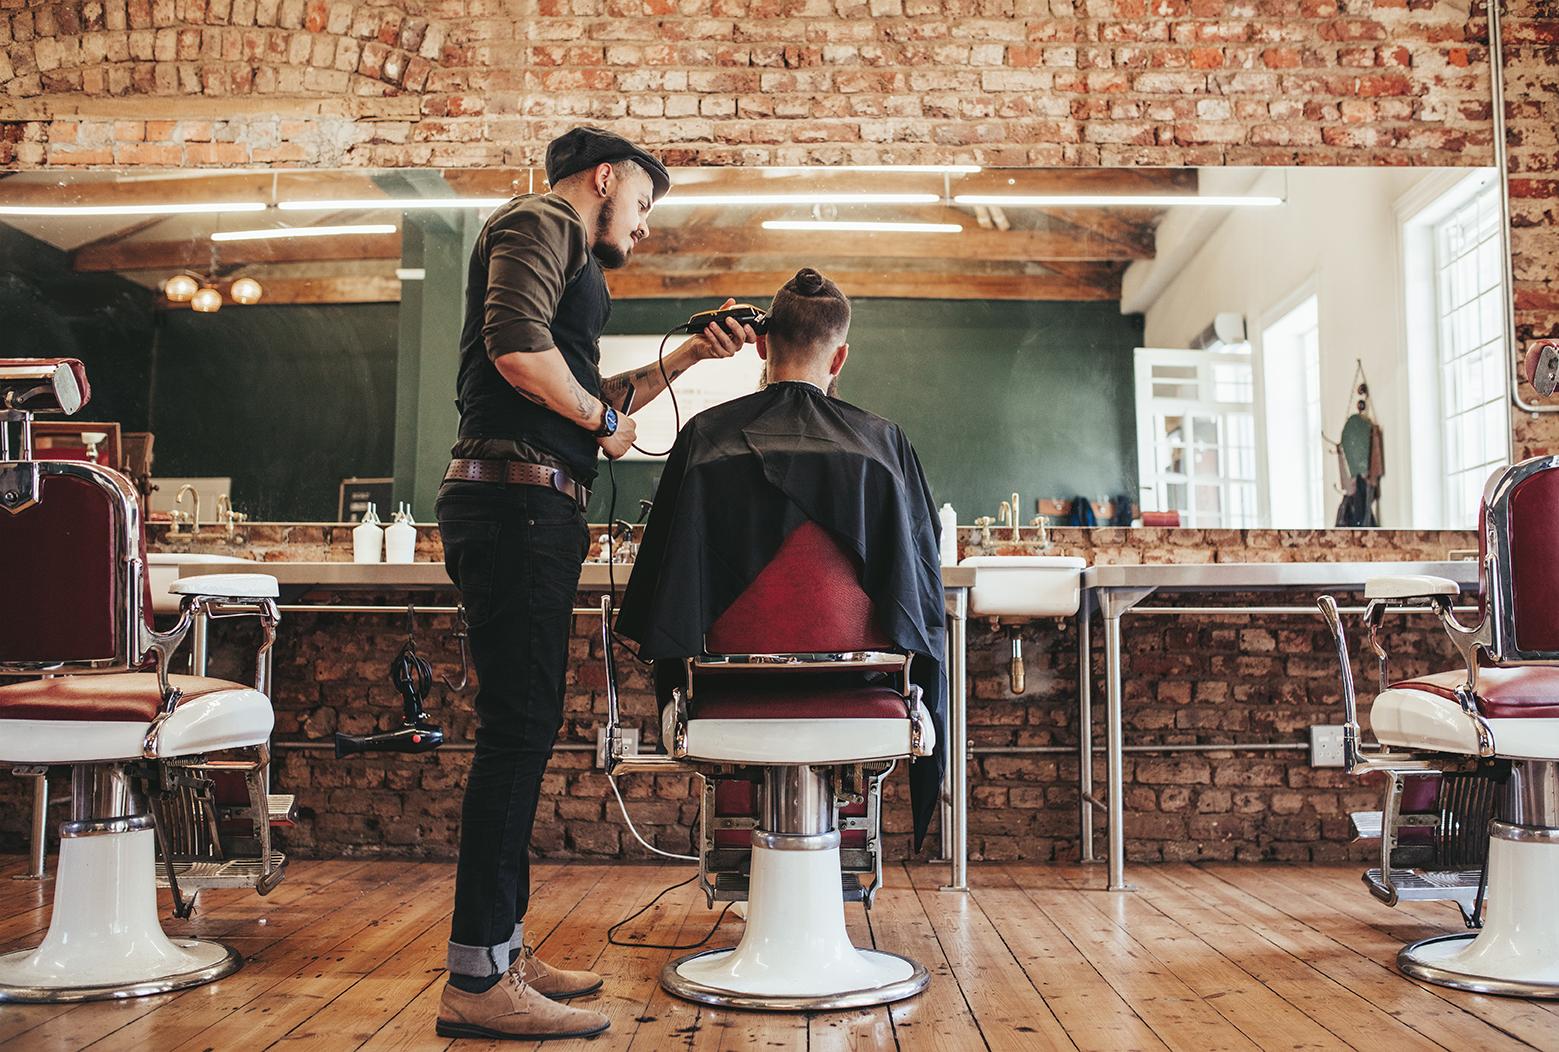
x,y
368,538
400,540
949,535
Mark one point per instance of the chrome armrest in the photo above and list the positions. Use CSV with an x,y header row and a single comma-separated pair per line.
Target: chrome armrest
x,y
214,596
1355,758
1440,593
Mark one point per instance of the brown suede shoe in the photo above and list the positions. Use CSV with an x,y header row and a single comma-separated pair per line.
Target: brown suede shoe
x,y
555,983
513,1010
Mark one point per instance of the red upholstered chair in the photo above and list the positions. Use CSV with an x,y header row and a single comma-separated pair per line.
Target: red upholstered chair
x,y
1471,756
789,736
90,687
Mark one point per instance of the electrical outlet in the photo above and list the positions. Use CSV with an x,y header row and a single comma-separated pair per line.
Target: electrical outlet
x,y
630,737
1326,745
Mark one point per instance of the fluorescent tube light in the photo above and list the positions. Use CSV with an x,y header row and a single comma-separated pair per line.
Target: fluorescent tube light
x,y
303,231
132,210
1115,201
865,227
922,169
411,273
798,199
404,204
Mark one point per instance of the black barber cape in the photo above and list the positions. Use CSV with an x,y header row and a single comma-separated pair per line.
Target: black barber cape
x,y
740,478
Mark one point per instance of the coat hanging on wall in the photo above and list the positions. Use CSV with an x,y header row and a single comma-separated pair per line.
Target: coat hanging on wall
x,y
1361,459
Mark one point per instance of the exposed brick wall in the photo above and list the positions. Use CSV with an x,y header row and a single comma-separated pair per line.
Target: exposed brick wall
x,y
1067,82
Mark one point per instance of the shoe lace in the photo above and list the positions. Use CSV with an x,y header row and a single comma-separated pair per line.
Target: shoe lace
x,y
515,978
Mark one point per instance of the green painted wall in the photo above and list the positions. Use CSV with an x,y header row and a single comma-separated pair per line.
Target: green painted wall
x,y
996,396
287,400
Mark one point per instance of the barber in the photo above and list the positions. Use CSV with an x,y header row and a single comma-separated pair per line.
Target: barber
x,y
534,413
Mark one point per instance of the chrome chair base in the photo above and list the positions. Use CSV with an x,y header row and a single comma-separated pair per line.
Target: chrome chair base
x,y
1426,959
212,960
918,979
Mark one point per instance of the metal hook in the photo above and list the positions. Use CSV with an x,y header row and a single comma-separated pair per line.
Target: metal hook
x,y
411,625
461,633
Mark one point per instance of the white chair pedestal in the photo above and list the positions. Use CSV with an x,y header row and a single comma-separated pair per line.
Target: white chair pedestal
x,y
795,954
1516,952
104,939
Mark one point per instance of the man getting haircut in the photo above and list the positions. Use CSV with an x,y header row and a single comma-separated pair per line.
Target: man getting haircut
x,y
744,474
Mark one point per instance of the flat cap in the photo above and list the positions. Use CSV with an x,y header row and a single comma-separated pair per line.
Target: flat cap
x,y
585,147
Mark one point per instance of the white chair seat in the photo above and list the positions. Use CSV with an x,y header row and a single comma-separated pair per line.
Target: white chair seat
x,y
1420,720
812,741
89,719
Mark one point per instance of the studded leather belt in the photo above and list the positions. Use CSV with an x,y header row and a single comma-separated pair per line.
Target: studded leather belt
x,y
517,473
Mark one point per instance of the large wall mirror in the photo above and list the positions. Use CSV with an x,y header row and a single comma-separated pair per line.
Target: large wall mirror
x,y
1188,342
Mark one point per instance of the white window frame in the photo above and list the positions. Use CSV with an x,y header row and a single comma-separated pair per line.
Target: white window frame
x,y
1272,395
1436,502
1153,484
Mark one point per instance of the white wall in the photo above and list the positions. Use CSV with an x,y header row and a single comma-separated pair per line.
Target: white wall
x,y
1339,229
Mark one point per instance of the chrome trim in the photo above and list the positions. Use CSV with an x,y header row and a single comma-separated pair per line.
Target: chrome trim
x,y
1522,834
1532,794
230,963
687,989
105,826
796,841
1501,617
1409,964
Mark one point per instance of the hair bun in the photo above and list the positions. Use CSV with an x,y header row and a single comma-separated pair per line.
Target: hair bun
x,y
807,281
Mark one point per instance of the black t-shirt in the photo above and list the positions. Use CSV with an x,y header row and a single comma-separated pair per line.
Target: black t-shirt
x,y
532,284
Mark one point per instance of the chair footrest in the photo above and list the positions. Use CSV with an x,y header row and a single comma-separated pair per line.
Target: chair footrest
x,y
732,887
1424,885
283,808
199,874
1366,825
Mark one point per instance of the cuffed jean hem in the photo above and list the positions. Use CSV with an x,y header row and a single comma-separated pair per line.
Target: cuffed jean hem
x,y
482,961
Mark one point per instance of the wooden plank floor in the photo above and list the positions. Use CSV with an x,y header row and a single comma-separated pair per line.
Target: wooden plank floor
x,y
349,954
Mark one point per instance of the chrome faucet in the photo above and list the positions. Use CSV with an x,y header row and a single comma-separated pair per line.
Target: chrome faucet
x,y
179,500
1017,510
226,515
984,523
1044,529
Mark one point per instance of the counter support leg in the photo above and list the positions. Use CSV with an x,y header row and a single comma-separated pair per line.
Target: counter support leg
x,y
38,847
1114,747
1085,730
958,743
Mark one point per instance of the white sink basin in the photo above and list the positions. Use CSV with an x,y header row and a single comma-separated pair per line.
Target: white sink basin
x,y
1020,586
163,568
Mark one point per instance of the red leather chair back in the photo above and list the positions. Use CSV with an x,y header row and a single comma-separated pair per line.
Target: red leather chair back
x,y
808,600
65,575
69,593
1532,578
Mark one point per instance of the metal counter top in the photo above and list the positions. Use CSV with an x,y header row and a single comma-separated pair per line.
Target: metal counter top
x,y
593,577
1212,577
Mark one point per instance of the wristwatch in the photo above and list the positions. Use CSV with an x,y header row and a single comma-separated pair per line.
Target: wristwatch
x,y
608,422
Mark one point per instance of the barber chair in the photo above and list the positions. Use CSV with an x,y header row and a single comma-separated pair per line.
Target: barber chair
x,y
787,735
1471,756
147,783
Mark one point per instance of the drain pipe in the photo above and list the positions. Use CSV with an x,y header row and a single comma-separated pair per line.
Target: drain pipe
x,y
1015,666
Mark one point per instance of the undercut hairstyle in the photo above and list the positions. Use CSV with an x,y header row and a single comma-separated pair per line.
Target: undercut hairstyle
x,y
808,319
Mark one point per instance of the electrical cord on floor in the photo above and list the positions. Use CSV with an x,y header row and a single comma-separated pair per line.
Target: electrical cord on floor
x,y
669,854
611,933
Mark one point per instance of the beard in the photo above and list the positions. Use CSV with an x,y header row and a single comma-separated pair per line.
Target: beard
x,y
607,254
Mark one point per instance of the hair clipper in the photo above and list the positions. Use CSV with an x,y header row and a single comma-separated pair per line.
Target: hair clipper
x,y
744,313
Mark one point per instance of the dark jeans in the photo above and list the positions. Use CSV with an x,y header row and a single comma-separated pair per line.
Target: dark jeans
x,y
515,554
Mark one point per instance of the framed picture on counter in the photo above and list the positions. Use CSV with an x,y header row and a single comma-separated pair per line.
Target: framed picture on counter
x,y
356,494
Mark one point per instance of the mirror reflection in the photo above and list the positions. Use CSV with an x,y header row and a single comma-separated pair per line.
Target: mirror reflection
x,y
1225,347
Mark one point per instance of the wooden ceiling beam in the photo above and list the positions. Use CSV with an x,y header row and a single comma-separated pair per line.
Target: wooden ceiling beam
x,y
646,284
157,255
749,240
284,291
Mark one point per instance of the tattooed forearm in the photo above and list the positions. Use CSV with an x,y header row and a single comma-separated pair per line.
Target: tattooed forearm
x,y
530,396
